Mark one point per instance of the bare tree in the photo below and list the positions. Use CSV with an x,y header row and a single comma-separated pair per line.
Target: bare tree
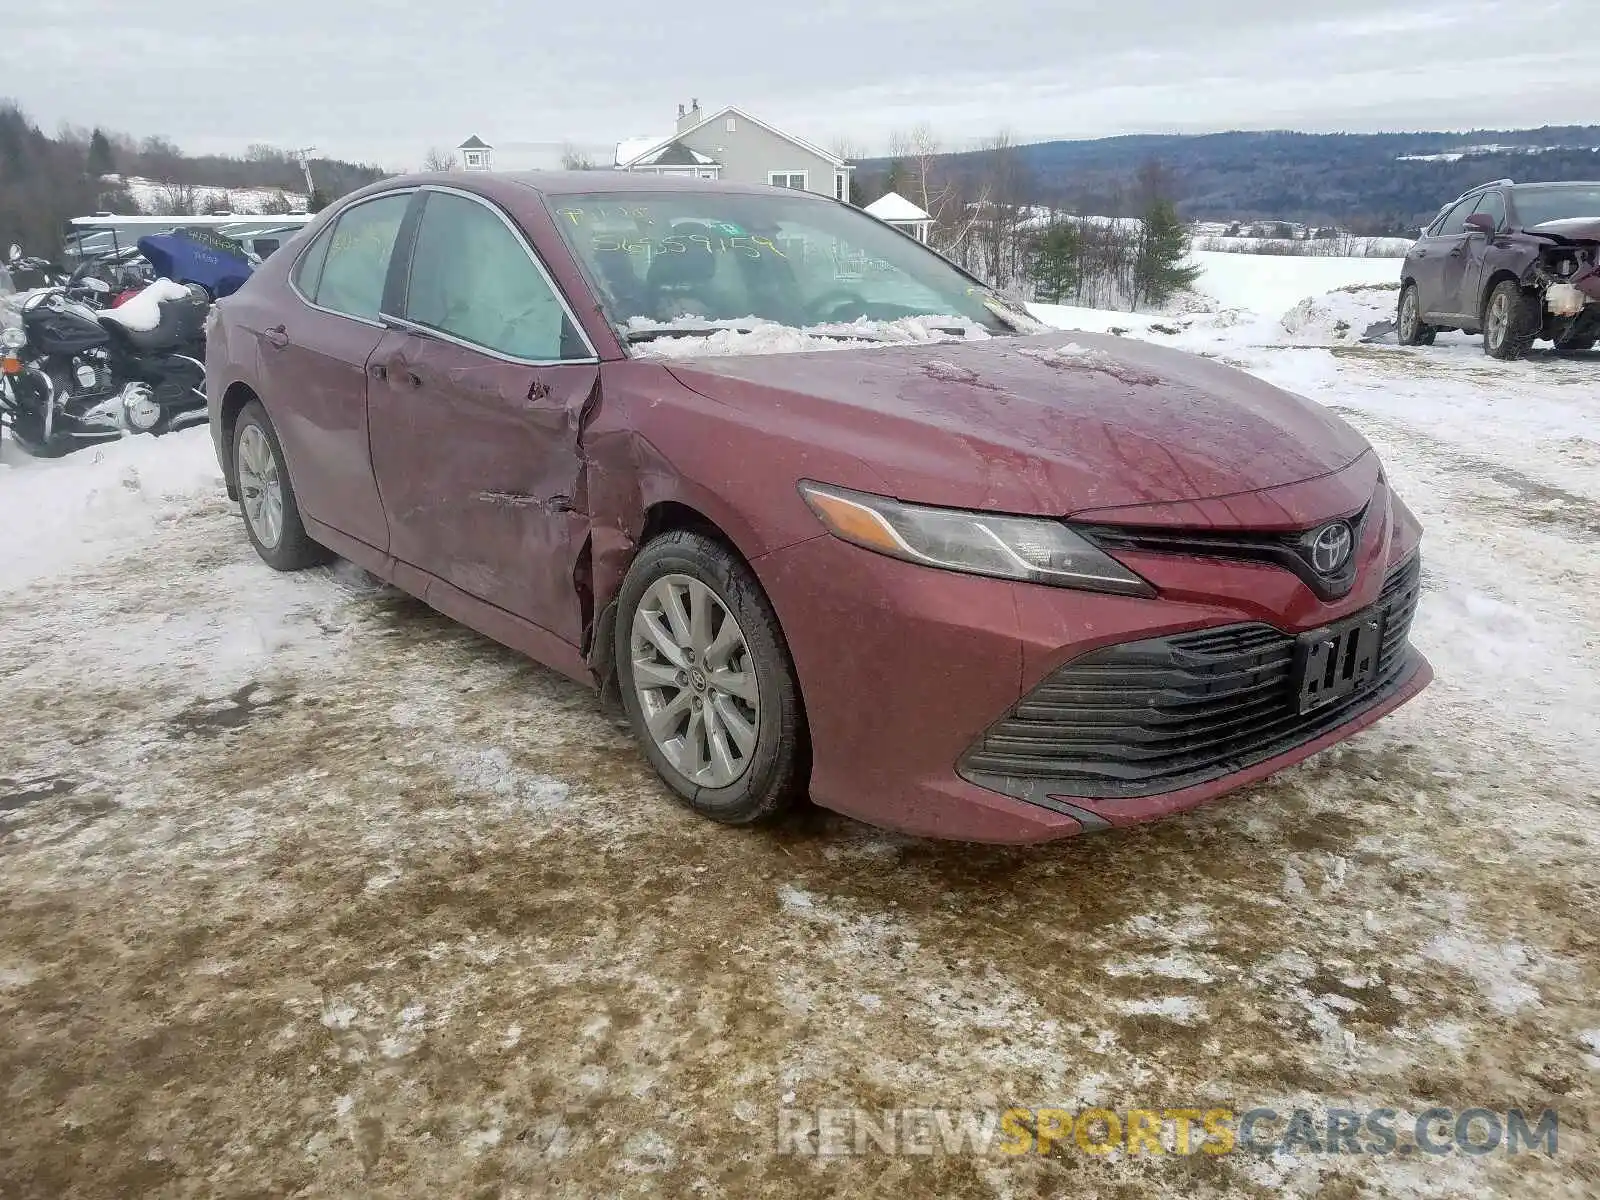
x,y
174,199
439,160
573,159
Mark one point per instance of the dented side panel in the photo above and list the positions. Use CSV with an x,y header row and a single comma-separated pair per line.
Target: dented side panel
x,y
481,474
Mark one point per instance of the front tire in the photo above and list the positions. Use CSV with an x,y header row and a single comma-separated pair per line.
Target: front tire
x,y
707,682
1510,321
266,497
1409,327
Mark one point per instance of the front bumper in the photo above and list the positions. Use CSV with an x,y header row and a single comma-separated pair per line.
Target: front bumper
x,y
908,672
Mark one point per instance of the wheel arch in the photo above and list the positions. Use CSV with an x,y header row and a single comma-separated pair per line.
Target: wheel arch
x,y
662,516
237,395
1500,275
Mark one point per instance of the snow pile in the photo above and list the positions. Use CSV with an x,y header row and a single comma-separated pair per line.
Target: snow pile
x,y
1339,317
757,336
1272,284
142,313
115,495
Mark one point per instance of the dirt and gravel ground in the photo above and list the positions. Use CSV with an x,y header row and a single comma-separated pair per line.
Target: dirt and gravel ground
x,y
305,890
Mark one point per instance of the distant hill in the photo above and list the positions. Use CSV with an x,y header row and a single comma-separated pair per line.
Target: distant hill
x,y
46,180
1376,183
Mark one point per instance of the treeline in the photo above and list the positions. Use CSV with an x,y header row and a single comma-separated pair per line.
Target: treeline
x,y
45,180
1370,184
994,218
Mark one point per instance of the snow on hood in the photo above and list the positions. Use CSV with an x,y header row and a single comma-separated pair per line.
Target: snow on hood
x,y
757,336
142,313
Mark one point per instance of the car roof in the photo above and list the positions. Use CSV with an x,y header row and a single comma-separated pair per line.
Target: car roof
x,y
1563,183
567,183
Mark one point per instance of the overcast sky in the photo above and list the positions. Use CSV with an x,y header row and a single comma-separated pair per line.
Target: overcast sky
x,y
382,82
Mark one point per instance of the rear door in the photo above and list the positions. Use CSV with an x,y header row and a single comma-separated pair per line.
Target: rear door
x,y
1467,271
479,391
314,366
1445,241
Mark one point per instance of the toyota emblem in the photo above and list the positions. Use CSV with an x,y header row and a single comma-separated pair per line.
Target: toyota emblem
x,y
1331,546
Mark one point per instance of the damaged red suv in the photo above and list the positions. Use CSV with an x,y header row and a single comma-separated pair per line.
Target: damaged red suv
x,y
822,512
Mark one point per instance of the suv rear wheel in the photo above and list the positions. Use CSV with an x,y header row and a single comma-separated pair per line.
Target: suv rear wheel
x,y
1409,327
1510,320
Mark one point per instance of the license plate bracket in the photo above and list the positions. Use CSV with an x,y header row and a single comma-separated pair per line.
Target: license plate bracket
x,y
1337,660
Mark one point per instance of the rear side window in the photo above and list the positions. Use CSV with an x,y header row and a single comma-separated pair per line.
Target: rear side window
x,y
474,279
357,258
308,271
1493,204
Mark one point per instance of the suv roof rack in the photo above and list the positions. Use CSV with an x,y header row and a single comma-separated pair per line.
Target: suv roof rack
x,y
1481,186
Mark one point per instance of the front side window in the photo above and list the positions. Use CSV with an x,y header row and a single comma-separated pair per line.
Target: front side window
x,y
788,179
658,258
1454,220
357,257
473,279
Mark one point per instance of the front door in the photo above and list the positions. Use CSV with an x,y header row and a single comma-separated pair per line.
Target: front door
x,y
1469,286
479,392
315,360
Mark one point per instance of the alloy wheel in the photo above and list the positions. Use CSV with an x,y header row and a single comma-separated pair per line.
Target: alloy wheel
x,y
259,486
695,681
1499,319
1408,316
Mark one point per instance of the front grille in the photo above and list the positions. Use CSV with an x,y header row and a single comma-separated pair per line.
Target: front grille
x,y
1156,715
1291,551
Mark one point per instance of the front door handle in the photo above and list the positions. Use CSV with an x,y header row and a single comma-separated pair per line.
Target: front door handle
x,y
378,371
277,336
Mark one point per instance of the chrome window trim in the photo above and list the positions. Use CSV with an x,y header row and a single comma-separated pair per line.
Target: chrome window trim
x,y
392,321
306,249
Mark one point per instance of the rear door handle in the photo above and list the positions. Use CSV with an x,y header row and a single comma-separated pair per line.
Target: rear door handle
x,y
278,336
378,371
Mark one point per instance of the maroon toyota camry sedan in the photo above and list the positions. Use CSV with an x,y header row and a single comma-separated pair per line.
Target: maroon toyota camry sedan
x,y
822,512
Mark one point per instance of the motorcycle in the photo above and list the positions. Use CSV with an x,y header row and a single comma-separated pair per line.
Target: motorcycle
x,y
73,376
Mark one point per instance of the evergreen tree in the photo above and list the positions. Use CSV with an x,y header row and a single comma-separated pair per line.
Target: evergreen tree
x,y
898,179
1159,272
317,201
1054,268
101,160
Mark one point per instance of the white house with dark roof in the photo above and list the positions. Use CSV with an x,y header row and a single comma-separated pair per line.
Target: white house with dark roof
x,y
732,145
476,154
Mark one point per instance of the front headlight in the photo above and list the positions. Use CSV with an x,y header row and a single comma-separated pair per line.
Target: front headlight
x,y
1034,549
13,338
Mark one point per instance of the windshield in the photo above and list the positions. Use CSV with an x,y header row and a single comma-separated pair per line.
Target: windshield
x,y
697,258
1536,205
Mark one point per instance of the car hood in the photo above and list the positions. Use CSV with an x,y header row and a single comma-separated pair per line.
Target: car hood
x,y
1574,229
1048,425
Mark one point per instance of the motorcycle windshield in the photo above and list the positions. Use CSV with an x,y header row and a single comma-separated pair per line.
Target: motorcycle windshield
x,y
10,301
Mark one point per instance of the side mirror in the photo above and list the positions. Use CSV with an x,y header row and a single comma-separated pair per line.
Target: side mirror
x,y
13,254
98,286
1480,223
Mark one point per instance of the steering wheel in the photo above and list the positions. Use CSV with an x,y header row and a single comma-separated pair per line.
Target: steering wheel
x,y
821,309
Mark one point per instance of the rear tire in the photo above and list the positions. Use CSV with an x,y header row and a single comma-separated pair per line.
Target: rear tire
x,y
693,685
1510,321
266,497
1409,327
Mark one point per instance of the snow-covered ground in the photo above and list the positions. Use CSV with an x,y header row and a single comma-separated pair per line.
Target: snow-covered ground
x,y
307,889
157,197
